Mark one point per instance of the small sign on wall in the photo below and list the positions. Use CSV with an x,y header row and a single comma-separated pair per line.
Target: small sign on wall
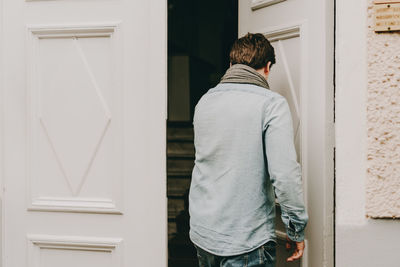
x,y
387,15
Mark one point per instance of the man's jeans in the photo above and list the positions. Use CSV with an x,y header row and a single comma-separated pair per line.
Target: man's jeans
x,y
264,256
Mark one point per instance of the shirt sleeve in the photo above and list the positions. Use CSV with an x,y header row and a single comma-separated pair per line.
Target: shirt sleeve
x,y
283,168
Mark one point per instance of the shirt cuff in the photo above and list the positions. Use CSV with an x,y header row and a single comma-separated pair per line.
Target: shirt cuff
x,y
295,236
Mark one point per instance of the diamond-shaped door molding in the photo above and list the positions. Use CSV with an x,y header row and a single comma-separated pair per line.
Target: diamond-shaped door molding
x,y
258,4
285,74
75,118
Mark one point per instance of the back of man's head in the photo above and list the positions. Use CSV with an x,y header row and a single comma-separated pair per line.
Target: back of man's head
x,y
253,50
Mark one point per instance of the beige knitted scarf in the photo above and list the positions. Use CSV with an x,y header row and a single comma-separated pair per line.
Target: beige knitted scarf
x,y
240,73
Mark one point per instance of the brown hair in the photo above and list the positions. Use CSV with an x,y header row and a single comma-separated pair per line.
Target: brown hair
x,y
253,50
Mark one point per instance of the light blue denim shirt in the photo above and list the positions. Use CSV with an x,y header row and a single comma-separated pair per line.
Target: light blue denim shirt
x,y
245,155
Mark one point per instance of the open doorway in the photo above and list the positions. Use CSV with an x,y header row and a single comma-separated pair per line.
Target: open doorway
x,y
200,34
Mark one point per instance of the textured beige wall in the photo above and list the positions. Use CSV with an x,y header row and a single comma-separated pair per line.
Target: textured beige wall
x,y
383,122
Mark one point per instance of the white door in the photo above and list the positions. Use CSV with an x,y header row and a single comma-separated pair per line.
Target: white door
x,y
301,32
83,106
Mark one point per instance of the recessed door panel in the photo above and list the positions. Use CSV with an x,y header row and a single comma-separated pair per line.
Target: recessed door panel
x,y
74,128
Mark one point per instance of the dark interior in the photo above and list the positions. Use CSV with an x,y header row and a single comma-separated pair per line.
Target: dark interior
x,y
200,34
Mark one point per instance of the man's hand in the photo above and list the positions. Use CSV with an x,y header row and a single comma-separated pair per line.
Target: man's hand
x,y
298,249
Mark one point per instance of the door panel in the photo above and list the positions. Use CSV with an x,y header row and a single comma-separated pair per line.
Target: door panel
x,y
301,32
84,133
75,128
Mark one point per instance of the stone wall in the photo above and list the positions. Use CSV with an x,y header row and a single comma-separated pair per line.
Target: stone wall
x,y
362,241
383,122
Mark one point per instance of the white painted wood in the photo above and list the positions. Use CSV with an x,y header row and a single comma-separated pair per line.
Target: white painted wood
x,y
56,125
282,78
257,4
301,32
83,86
44,250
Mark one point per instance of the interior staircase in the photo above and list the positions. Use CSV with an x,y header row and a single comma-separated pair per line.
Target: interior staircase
x,y
180,162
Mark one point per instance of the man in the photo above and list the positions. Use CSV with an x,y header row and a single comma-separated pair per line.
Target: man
x,y
245,157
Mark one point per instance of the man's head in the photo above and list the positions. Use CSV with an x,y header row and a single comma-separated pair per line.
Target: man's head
x,y
253,50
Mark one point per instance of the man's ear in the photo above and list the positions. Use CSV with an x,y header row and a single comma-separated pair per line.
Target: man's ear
x,y
267,68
